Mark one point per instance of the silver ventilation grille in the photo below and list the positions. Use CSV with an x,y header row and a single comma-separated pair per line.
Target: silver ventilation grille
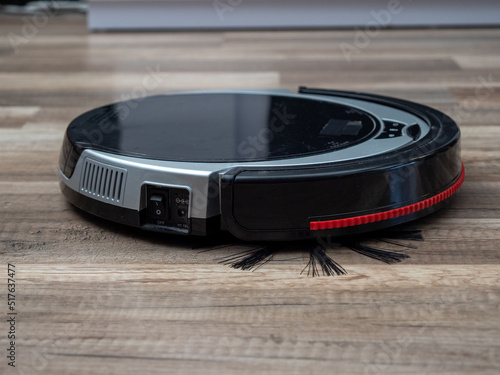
x,y
103,182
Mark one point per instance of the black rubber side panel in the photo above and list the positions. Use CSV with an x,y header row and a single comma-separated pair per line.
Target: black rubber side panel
x,y
270,200
205,227
279,205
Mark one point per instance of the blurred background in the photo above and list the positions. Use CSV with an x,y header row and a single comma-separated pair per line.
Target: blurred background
x,y
365,44
221,14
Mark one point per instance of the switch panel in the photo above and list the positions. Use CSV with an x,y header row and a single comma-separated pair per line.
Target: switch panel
x,y
167,208
157,204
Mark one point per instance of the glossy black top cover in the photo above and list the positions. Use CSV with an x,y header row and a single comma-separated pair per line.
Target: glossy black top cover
x,y
221,127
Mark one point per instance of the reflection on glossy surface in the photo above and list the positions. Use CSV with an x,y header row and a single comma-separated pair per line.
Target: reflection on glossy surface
x,y
223,127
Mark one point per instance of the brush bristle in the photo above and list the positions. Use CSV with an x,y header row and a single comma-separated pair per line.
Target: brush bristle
x,y
249,260
320,263
385,256
318,256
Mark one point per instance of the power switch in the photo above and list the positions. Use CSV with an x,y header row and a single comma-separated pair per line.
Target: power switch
x,y
157,205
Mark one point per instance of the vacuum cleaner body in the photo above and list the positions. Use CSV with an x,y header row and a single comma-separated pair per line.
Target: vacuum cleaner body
x,y
263,165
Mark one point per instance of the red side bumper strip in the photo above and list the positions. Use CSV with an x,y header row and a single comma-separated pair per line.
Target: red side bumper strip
x,y
358,220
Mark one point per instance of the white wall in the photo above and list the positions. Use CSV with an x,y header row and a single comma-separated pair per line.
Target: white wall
x,y
231,14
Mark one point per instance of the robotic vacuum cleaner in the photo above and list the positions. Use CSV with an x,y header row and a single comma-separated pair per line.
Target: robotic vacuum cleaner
x,y
264,165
